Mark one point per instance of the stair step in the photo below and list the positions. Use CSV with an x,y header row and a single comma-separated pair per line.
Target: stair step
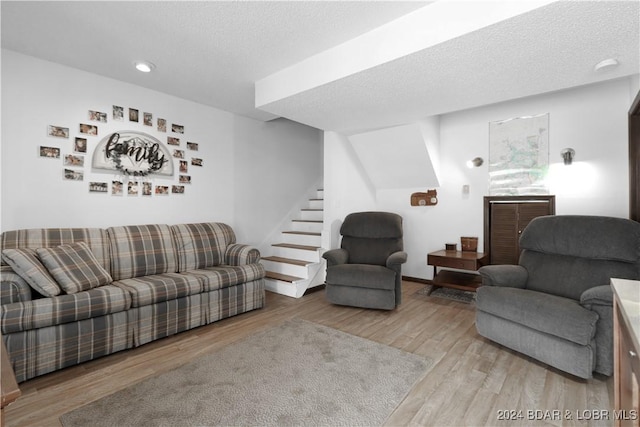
x,y
308,220
303,233
312,210
282,277
303,247
297,262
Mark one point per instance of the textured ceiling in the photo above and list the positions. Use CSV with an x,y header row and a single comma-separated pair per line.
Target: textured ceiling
x,y
214,52
210,52
549,49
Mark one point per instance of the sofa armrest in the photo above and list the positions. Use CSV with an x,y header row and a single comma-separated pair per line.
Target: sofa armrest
x,y
396,258
512,276
336,256
598,295
240,254
13,288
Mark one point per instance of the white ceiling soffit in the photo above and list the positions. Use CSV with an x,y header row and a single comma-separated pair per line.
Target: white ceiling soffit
x,y
395,157
549,48
210,52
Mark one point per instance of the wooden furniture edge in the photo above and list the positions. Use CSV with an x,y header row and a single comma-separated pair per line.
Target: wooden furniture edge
x,y
9,389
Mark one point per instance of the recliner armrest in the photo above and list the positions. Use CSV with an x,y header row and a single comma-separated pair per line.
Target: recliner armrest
x,y
396,258
598,295
336,256
512,276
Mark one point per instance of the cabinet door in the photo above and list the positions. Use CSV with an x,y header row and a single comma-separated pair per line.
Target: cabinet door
x,y
504,233
505,219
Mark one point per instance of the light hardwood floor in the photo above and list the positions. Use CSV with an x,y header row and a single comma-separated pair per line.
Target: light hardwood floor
x,y
472,382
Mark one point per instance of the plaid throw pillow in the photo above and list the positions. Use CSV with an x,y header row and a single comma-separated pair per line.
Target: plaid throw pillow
x,y
74,267
27,265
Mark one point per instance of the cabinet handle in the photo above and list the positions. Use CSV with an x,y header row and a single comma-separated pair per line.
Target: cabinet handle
x,y
633,353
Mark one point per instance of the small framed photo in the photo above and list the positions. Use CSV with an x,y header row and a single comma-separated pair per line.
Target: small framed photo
x,y
116,188
80,145
147,188
73,160
147,119
178,154
177,128
173,141
196,161
58,131
185,179
177,189
73,175
133,115
50,152
118,113
192,146
162,190
184,166
98,187
162,125
88,129
132,188
97,116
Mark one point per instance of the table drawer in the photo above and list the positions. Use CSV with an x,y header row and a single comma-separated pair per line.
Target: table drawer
x,y
463,264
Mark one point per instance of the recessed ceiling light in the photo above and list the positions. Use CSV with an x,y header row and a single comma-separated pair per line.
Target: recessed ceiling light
x,y
607,64
144,66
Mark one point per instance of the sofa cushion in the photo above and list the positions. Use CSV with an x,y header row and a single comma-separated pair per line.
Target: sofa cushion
x,y
43,312
362,275
159,288
26,264
74,267
224,276
35,238
202,245
562,317
142,250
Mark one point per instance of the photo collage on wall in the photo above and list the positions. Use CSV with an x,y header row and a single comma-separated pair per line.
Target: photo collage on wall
x,y
125,160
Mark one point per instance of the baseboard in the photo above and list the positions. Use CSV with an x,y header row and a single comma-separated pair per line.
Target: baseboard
x,y
417,280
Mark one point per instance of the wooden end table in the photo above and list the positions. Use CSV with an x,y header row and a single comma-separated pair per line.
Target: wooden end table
x,y
459,260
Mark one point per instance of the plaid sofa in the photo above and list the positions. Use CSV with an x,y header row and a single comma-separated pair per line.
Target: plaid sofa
x,y
162,280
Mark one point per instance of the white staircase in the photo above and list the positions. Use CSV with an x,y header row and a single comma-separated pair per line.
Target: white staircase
x,y
296,263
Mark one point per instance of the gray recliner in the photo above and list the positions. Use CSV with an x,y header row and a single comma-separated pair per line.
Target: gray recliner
x,y
556,306
366,270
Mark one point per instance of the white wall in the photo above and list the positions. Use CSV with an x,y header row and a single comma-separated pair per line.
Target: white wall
x,y
37,93
592,120
278,167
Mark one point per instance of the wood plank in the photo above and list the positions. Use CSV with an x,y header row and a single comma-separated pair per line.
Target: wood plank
x,y
292,261
282,277
302,247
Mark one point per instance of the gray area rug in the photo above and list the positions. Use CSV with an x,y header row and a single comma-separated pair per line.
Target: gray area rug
x,y
449,293
298,373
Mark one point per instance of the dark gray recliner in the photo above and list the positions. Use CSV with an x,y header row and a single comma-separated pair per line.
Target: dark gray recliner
x,y
365,271
556,306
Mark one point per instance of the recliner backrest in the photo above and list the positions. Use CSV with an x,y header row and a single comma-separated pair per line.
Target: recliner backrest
x,y
370,237
568,254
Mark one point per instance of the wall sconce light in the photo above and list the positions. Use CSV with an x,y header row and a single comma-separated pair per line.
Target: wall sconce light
x,y
567,155
478,161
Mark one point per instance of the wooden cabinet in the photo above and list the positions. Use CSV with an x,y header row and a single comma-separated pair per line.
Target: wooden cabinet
x,y
634,159
504,219
626,350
